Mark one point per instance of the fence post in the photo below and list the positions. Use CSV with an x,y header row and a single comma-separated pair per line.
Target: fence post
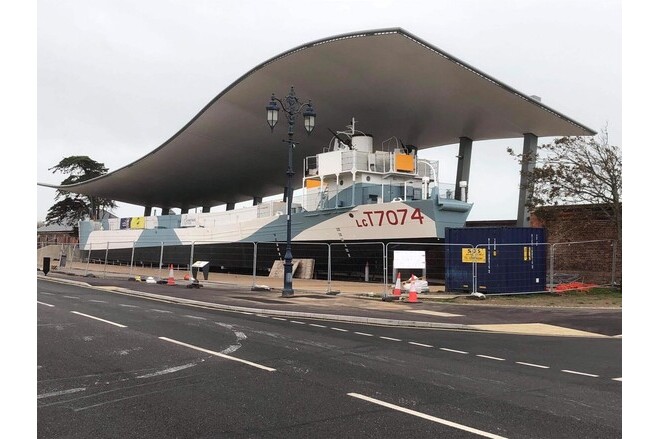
x,y
474,272
162,249
105,268
613,264
329,268
384,277
254,265
551,267
132,259
89,256
191,259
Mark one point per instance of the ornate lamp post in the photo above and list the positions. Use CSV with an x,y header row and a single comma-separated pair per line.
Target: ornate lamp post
x,y
291,106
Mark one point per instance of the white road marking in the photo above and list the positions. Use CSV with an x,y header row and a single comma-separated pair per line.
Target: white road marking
x,y
420,344
317,326
48,294
166,371
491,358
246,313
427,417
99,319
532,365
278,318
618,379
454,350
580,373
434,313
218,354
364,333
194,317
97,301
389,338
63,392
128,306
299,323
160,310
340,329
71,297
43,303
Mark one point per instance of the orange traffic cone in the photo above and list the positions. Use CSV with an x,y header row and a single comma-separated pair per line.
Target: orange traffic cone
x,y
412,298
170,279
397,287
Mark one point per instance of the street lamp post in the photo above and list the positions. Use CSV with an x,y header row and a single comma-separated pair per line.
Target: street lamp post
x,y
291,106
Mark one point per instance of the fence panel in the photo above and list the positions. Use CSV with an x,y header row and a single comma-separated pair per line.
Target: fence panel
x,y
515,268
585,262
358,262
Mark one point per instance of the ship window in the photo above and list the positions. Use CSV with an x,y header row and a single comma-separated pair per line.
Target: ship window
x,y
368,178
340,182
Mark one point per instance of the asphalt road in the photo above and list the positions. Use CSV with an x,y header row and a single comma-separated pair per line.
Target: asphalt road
x,y
120,366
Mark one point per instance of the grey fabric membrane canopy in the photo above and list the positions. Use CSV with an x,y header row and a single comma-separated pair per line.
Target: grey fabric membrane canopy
x,y
393,83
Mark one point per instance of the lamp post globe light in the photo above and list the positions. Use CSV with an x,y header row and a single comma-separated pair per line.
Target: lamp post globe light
x,y
292,107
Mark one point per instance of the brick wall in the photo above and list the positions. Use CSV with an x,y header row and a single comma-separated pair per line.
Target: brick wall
x,y
571,228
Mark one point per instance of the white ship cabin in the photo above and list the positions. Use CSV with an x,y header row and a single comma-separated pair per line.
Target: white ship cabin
x,y
350,172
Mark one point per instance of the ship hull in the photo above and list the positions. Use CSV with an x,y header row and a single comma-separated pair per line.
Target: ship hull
x,y
348,242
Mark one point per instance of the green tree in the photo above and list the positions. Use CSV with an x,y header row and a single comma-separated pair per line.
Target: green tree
x,y
70,207
577,170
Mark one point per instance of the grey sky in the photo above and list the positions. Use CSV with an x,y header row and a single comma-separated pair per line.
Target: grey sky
x,y
117,78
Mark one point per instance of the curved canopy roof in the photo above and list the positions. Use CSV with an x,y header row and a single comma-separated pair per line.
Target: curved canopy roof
x,y
391,82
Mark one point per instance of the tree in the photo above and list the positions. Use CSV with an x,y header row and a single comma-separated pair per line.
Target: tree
x,y
70,207
577,170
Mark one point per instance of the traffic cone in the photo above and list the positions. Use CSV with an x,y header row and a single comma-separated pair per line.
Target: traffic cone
x,y
397,287
170,279
412,298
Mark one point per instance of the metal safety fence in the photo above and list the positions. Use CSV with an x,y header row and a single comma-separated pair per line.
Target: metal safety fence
x,y
511,268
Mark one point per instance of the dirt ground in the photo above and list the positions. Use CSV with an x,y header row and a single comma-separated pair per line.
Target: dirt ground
x,y
596,297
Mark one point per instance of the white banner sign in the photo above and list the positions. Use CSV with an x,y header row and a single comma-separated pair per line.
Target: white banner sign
x,y
409,259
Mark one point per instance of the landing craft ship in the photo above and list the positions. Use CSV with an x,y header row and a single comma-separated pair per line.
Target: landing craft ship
x,y
351,194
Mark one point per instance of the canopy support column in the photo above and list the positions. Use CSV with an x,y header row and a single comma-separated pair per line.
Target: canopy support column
x,y
525,192
464,164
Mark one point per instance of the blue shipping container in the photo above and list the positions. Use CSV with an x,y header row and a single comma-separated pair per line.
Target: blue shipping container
x,y
507,259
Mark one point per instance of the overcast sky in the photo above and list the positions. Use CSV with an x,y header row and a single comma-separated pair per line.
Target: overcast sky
x,y
117,78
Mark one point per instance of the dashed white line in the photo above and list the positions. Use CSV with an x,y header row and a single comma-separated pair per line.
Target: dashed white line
x,y
99,319
219,354
278,318
166,371
72,297
491,358
618,379
364,334
128,306
295,321
194,317
161,310
97,301
317,326
420,344
532,365
580,373
246,313
454,350
48,294
44,303
427,417
390,338
340,329
61,392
